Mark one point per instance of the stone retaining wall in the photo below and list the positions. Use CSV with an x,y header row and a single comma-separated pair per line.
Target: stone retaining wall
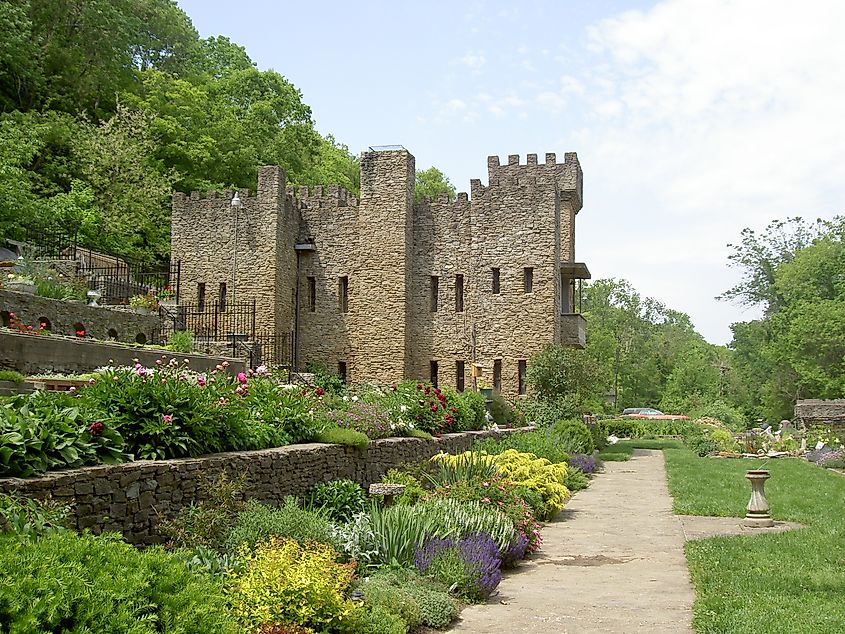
x,y
63,318
130,497
31,354
814,412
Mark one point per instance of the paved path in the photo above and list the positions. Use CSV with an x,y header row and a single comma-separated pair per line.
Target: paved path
x,y
612,562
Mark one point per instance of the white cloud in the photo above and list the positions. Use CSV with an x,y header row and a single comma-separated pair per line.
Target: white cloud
x,y
703,118
473,60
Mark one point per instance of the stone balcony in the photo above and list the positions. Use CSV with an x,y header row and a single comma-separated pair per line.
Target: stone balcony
x,y
572,330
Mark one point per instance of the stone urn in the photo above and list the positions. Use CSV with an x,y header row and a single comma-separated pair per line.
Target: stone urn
x,y
757,511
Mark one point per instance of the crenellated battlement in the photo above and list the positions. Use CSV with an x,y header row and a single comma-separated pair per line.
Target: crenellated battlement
x,y
320,196
566,176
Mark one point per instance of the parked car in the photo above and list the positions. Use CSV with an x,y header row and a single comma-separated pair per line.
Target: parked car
x,y
649,413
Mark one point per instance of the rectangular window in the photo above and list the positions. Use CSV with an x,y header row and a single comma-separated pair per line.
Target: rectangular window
x,y
522,370
341,370
528,279
497,375
201,296
495,281
312,294
434,291
459,293
222,296
343,294
459,375
432,367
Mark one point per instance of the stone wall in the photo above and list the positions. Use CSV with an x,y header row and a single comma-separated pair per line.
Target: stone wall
x,y
829,413
31,354
62,317
131,497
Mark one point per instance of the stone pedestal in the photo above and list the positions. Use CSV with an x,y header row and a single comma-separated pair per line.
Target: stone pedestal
x,y
757,511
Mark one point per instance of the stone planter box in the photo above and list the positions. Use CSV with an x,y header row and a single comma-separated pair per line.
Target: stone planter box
x,y
21,287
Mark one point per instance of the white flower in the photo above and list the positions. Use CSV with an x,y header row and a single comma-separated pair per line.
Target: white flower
x,y
392,426
403,408
354,399
345,398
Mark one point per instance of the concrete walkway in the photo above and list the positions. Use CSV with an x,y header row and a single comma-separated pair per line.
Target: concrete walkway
x,y
613,561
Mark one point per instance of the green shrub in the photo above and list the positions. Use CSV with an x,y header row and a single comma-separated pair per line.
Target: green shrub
x,y
285,412
542,443
338,500
574,436
733,418
48,430
436,608
12,376
258,522
334,435
81,583
328,381
470,466
474,403
27,518
413,487
285,581
208,522
181,341
377,619
576,480
393,598
419,433
501,410
546,412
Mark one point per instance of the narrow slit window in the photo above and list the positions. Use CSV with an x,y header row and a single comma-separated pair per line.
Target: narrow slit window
x,y
434,291
497,375
222,296
528,279
523,367
343,294
341,370
312,294
460,369
459,293
496,275
565,293
201,296
433,373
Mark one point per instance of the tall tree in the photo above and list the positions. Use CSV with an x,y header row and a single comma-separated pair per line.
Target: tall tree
x,y
431,184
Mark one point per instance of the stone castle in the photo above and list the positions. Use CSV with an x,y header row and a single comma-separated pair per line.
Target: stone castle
x,y
380,288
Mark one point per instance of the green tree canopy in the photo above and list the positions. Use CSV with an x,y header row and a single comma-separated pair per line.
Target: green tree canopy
x,y
431,184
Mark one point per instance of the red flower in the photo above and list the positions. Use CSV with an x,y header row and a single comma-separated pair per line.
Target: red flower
x,y
427,390
319,391
433,407
96,428
419,386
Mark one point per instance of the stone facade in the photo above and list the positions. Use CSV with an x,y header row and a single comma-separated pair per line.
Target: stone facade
x,y
131,497
385,289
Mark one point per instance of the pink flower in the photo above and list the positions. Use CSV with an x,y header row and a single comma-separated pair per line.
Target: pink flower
x,y
241,377
201,380
168,418
92,381
485,484
225,364
485,500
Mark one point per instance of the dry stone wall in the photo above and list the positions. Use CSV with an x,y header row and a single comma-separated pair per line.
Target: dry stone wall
x,y
133,497
101,322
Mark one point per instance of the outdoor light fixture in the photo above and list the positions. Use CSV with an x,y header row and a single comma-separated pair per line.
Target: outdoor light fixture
x,y
236,201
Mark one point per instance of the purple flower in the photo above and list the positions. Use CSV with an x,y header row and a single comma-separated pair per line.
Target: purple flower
x,y
516,550
585,463
425,555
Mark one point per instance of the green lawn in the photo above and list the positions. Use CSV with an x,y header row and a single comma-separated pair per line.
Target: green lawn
x,y
623,449
790,582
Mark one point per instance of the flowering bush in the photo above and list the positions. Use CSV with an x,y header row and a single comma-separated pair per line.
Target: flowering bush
x,y
583,462
504,496
367,418
419,406
147,300
472,564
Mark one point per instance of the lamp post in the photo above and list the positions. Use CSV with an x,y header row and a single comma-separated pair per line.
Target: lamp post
x,y
236,205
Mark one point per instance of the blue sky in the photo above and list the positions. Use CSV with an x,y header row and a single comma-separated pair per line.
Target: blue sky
x,y
692,119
